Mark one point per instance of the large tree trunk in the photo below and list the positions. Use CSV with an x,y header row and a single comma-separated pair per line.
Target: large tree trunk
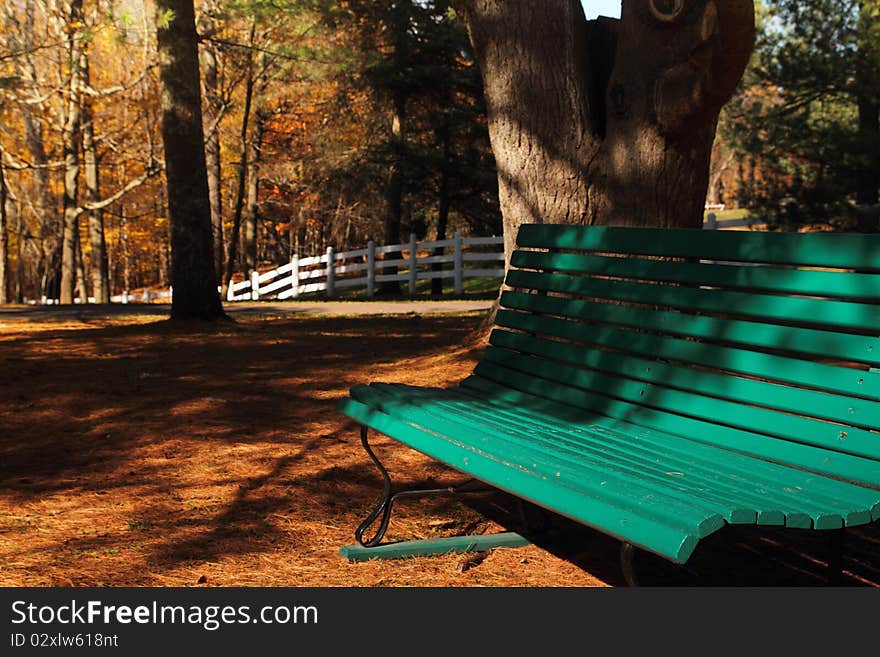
x,y
192,252
4,243
394,190
606,121
98,269
70,149
20,36
214,110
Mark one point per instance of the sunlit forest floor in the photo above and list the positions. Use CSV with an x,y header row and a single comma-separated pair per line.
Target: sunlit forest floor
x,y
134,451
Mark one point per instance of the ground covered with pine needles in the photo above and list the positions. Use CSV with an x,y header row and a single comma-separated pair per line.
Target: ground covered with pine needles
x,y
140,452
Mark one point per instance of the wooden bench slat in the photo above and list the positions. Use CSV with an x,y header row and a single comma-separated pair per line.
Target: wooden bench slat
x,y
829,436
810,342
789,310
768,472
771,491
833,250
823,405
808,457
783,369
602,510
834,284
570,463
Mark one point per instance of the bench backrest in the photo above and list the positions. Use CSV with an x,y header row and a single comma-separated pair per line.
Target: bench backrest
x,y
763,343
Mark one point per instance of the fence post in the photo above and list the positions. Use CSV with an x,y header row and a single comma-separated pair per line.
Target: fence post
x,y
255,285
331,273
147,295
412,264
711,221
294,271
371,268
170,293
230,293
124,297
458,262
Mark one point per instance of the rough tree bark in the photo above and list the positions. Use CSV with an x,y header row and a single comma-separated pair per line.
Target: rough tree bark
x,y
192,251
232,251
4,244
213,114
99,272
606,121
253,189
70,148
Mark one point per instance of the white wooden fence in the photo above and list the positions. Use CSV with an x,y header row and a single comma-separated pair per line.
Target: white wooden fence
x,y
361,268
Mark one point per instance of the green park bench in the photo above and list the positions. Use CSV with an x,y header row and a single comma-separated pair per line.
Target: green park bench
x,y
657,384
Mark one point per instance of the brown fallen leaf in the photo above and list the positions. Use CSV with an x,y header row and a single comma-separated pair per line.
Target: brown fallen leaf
x,y
471,560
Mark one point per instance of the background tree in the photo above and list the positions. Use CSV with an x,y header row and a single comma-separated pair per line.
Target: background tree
x,y
606,121
807,122
192,259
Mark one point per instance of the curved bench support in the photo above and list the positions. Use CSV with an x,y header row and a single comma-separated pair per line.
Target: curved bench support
x,y
383,509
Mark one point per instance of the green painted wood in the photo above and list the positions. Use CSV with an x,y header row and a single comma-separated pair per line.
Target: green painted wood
x,y
807,457
775,396
658,425
589,477
572,461
781,485
843,285
854,383
673,541
793,428
432,547
810,342
833,250
746,490
791,310
827,489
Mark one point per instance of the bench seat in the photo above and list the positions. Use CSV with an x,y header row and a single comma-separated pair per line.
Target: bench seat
x,y
659,396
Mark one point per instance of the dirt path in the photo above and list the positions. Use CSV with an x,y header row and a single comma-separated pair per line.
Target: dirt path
x,y
138,452
270,309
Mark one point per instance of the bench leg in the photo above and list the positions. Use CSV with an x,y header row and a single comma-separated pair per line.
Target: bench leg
x,y
836,545
382,512
627,564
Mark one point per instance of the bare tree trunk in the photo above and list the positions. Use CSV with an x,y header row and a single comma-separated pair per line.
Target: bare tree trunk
x,y
70,149
81,288
21,36
18,294
100,276
214,109
394,191
606,121
126,254
443,203
4,244
232,253
192,251
253,190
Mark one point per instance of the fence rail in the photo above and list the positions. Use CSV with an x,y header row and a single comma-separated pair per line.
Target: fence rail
x,y
408,263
